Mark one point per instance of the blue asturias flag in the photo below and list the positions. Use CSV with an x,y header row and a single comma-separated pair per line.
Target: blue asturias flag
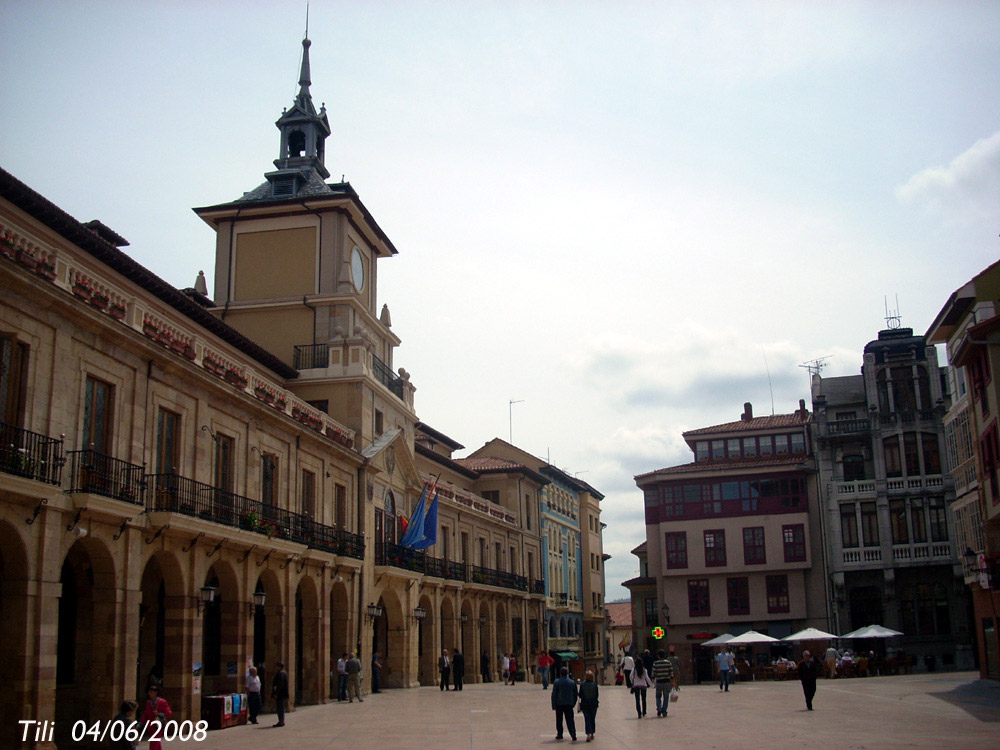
x,y
429,526
415,531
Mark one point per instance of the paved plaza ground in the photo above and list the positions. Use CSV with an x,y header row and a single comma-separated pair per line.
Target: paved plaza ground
x,y
953,710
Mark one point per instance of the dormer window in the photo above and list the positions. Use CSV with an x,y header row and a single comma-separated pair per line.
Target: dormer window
x,y
283,187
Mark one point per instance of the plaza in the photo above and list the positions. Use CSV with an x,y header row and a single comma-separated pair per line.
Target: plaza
x,y
943,709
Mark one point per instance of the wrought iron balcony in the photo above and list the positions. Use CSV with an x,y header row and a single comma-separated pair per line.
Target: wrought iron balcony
x,y
501,578
561,600
176,494
311,357
418,561
386,377
99,474
538,586
30,455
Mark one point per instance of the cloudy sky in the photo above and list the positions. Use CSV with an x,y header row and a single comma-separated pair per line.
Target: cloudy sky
x,y
630,217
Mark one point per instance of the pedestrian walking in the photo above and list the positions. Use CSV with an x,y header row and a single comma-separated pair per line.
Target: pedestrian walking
x,y
126,718
504,667
156,710
376,672
647,660
253,695
628,664
457,669
831,662
279,691
342,677
484,666
545,662
808,672
676,663
564,695
353,670
588,704
444,667
512,667
663,676
722,660
641,681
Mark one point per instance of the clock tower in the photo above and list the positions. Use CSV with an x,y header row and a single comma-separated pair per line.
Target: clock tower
x,y
296,271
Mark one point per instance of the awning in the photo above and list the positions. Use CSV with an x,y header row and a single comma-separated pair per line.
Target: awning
x,y
566,655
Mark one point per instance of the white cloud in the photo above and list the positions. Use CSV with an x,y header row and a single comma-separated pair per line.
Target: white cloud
x,y
966,190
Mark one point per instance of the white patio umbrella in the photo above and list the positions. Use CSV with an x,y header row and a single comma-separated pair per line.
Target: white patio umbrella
x,y
751,636
719,640
810,634
872,631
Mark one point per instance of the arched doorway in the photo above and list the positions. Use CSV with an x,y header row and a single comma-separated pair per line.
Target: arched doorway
x,y
221,629
503,636
85,637
389,639
340,621
161,608
307,626
468,627
487,650
447,625
14,625
268,636
426,656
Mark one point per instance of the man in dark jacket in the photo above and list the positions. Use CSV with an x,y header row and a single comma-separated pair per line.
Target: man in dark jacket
x,y
564,695
808,672
279,691
457,669
444,667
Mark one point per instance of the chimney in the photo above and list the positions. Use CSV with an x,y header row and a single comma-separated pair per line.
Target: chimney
x,y
747,412
802,413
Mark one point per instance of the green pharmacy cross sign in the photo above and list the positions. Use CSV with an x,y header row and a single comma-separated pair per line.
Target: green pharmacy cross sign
x,y
658,632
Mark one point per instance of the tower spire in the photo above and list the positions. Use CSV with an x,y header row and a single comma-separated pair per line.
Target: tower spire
x,y
305,98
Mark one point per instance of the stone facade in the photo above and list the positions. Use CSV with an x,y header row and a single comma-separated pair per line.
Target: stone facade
x,y
886,496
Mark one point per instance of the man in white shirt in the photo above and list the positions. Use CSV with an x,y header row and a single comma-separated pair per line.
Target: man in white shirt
x,y
253,694
627,666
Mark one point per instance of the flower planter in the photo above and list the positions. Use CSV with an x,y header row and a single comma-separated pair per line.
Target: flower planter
x,y
263,394
46,270
211,365
280,404
235,379
26,259
83,292
189,352
99,301
117,312
164,338
150,330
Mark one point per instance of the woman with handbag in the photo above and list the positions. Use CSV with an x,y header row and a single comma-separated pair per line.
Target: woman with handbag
x,y
588,704
641,681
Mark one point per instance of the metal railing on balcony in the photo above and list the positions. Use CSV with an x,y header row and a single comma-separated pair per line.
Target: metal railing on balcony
x,y
176,494
561,600
311,357
336,541
907,417
387,553
386,377
30,455
538,586
501,578
99,474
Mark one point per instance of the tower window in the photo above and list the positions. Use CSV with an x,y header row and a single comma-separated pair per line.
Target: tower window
x,y
296,143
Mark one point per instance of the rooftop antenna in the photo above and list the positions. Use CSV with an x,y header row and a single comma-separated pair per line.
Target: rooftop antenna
x,y
510,419
768,371
307,19
892,317
815,366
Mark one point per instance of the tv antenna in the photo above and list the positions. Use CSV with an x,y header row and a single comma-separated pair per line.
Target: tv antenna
x,y
510,418
892,317
815,366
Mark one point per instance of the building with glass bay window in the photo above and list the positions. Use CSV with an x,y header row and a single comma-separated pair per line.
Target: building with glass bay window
x,y
890,532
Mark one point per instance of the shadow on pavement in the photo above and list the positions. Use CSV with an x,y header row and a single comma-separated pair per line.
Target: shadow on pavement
x,y
980,699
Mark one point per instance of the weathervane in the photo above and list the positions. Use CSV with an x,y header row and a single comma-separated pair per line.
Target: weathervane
x,y
892,317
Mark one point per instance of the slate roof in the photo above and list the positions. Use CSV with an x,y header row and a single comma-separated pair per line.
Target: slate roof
x,y
848,389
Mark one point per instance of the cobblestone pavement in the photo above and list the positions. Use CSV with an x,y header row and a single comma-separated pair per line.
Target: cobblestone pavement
x,y
953,710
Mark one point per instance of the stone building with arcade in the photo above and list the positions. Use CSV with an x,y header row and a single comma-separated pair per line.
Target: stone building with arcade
x,y
193,482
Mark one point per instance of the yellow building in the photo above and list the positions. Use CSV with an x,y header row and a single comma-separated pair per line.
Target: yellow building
x,y
190,485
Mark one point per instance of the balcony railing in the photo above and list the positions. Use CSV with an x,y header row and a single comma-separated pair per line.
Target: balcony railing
x,y
865,555
561,600
845,427
311,357
336,541
176,494
907,417
903,552
99,474
418,561
385,376
538,586
501,578
30,455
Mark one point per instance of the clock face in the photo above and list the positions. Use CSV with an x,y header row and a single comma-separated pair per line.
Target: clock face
x,y
357,269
